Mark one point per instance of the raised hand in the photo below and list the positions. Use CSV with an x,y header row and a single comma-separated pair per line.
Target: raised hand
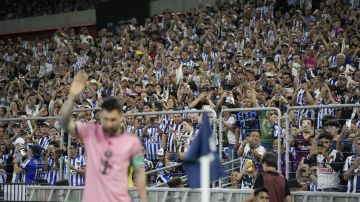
x,y
78,85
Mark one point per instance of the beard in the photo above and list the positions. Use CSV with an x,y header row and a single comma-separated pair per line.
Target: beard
x,y
110,131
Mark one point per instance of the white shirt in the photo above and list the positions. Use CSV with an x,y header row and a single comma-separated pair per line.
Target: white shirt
x,y
249,155
327,176
230,134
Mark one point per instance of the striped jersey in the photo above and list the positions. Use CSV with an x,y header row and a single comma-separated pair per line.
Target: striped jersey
x,y
304,113
51,175
210,59
171,132
353,184
324,112
247,122
44,141
3,161
163,175
300,97
152,143
75,179
33,168
332,82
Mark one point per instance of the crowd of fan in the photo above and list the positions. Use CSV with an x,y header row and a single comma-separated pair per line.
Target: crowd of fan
x,y
230,55
13,9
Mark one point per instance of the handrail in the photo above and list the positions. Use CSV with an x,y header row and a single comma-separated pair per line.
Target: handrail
x,y
287,127
164,168
165,183
232,161
254,109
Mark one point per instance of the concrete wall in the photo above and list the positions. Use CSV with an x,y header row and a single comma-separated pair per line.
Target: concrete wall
x,y
158,6
85,18
32,24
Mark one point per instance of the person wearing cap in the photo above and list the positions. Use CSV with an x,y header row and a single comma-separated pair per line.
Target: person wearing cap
x,y
44,139
32,167
352,169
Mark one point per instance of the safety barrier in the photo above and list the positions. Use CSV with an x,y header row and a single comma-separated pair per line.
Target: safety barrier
x,y
220,122
287,128
248,110
12,192
37,193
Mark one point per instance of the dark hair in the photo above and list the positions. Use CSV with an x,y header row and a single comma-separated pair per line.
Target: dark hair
x,y
326,118
307,119
111,103
259,190
325,135
288,73
74,144
270,159
55,143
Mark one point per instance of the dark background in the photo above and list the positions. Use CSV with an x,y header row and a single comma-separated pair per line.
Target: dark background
x,y
108,13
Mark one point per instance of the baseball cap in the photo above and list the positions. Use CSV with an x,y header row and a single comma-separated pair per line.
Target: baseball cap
x,y
45,124
285,44
36,149
19,140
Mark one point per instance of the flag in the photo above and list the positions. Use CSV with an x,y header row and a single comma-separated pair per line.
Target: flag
x,y
203,145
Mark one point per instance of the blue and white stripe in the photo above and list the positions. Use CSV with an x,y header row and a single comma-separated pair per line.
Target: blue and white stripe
x,y
75,178
152,144
51,173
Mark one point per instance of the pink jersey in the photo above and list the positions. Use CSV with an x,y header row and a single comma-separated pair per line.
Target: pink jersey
x,y
108,160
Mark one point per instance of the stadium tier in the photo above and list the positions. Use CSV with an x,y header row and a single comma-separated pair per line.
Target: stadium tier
x,y
281,76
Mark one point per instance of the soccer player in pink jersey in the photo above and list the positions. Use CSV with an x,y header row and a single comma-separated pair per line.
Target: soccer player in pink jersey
x,y
109,149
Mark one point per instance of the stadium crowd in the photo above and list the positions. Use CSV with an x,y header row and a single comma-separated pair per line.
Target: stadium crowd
x,y
235,54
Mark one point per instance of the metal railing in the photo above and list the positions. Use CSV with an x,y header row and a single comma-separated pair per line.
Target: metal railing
x,y
162,194
13,192
247,110
61,136
287,128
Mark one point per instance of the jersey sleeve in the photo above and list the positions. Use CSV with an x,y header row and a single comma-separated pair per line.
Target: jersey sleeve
x,y
347,164
25,164
137,157
84,130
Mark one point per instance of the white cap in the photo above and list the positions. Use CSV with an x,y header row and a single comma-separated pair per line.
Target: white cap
x,y
19,140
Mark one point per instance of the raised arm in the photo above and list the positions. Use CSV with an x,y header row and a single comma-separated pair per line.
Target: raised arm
x,y
77,86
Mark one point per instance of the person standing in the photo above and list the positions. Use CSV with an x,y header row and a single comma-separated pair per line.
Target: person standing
x,y
351,169
109,149
33,167
271,177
